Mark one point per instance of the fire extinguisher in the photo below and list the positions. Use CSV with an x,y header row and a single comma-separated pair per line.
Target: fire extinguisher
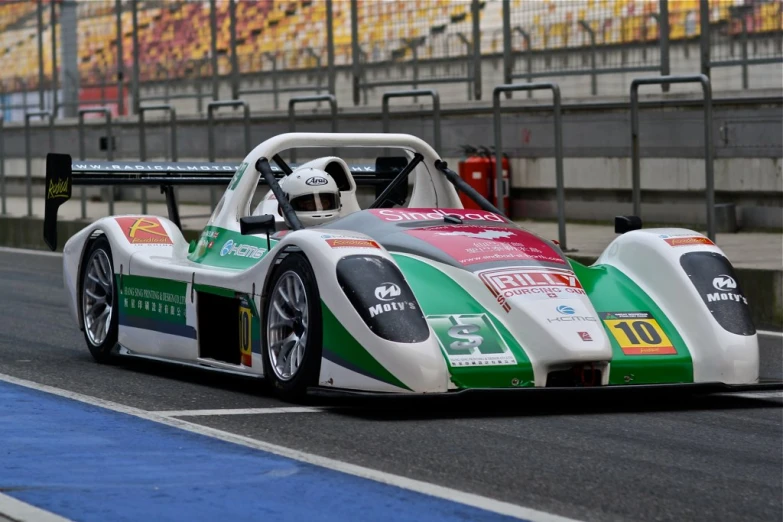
x,y
506,170
475,171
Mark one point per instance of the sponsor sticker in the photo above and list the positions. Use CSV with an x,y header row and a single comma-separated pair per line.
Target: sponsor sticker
x,y
471,340
688,241
585,336
352,243
530,284
471,244
144,231
231,248
246,335
568,314
430,214
238,176
316,181
638,333
387,292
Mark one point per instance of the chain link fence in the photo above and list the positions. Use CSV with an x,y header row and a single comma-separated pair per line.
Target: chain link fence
x,y
61,55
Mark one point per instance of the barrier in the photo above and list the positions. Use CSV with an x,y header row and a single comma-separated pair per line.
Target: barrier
x,y
304,99
83,155
143,139
28,153
412,94
708,145
211,106
558,120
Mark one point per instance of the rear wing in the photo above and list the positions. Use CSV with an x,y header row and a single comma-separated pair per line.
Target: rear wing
x,y
62,173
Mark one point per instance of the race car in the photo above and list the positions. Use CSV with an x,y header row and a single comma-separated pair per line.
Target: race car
x,y
415,294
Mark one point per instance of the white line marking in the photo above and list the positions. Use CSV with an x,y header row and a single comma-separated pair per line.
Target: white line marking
x,y
770,333
19,511
237,411
418,486
760,395
30,252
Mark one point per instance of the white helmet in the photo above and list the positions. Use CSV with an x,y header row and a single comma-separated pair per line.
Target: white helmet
x,y
313,194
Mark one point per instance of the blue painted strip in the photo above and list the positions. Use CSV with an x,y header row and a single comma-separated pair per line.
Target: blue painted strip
x,y
147,323
91,464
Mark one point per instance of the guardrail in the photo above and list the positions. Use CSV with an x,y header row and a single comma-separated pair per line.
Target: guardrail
x,y
143,139
3,208
28,152
83,155
708,145
211,106
558,120
304,99
414,93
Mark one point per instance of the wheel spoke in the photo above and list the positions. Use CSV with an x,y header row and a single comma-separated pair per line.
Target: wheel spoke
x,y
97,292
279,309
99,299
287,322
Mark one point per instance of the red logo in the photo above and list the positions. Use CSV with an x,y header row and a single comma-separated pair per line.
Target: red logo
x,y
352,243
585,336
144,231
686,241
432,214
530,283
473,244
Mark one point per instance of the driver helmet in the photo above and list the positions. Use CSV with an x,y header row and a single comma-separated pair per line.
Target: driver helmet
x,y
313,195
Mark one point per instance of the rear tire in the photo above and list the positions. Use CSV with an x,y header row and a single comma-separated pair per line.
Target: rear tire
x,y
292,337
98,300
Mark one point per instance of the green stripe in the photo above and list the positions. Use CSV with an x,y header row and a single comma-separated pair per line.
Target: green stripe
x,y
340,342
610,290
443,299
152,298
218,238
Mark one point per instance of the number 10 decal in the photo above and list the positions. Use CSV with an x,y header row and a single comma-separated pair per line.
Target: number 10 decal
x,y
638,333
246,335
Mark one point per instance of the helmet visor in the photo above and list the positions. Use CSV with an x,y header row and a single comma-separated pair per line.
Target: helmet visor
x,y
315,202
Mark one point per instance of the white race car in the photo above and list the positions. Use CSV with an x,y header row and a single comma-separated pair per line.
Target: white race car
x,y
414,295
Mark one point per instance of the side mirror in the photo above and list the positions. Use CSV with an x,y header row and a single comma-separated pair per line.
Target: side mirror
x,y
623,224
257,224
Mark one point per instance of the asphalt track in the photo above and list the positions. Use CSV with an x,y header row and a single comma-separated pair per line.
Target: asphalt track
x,y
700,458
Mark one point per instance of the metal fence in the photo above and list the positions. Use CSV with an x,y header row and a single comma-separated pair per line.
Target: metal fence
x,y
60,55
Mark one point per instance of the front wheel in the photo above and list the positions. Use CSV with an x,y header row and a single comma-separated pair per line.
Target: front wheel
x,y
292,341
98,298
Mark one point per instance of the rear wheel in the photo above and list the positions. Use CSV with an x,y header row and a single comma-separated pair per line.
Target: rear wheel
x,y
292,340
98,299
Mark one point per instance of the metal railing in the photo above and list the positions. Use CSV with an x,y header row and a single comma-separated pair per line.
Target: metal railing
x,y
3,207
293,102
143,139
558,129
28,152
211,106
708,145
109,152
414,94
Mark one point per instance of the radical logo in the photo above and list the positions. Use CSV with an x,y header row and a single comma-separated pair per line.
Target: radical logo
x,y
144,231
724,283
387,292
58,189
226,247
565,310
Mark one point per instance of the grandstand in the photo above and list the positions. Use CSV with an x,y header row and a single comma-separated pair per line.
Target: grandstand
x,y
174,35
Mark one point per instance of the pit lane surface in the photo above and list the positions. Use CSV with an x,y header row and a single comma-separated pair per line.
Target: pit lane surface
x,y
703,458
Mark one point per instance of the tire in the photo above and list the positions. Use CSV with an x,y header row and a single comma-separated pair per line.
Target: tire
x,y
287,321
98,300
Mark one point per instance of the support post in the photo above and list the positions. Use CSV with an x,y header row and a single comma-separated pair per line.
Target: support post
x,y
412,94
53,23
663,38
39,35
232,14
330,48
475,9
213,48
508,51
704,37
593,66
143,139
355,52
120,60
135,36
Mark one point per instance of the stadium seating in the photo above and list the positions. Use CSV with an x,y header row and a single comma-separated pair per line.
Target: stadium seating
x,y
174,35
